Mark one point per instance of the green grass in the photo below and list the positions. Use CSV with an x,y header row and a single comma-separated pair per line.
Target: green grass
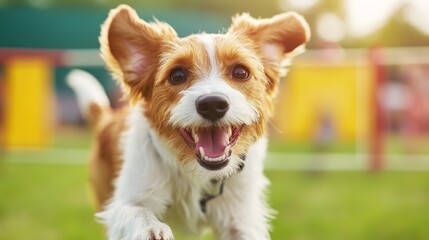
x,y
73,138
400,145
305,147
52,202
45,202
350,205
392,145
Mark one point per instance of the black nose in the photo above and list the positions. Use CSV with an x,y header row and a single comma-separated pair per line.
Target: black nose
x,y
212,106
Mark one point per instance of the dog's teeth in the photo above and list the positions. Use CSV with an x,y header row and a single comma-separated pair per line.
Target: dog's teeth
x,y
203,154
222,157
196,138
227,149
207,158
229,132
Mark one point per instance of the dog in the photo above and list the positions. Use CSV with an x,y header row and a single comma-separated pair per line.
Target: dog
x,y
188,151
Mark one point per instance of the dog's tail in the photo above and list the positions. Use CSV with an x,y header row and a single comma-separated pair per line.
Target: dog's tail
x,y
91,97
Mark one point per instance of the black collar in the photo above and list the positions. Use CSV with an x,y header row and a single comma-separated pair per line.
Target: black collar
x,y
218,186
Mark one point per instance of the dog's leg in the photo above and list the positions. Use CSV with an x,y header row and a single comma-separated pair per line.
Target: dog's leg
x,y
140,199
241,212
132,222
143,190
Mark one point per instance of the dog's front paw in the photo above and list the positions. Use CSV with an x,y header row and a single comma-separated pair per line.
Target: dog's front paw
x,y
125,222
159,231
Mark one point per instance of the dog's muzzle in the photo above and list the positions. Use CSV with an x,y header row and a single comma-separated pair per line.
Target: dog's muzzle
x,y
212,144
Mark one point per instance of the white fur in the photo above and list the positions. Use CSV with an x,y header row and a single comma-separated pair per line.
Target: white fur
x,y
87,89
152,179
209,44
143,189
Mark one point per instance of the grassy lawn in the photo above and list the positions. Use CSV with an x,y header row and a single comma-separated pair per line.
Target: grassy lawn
x,y
350,205
393,145
45,202
52,202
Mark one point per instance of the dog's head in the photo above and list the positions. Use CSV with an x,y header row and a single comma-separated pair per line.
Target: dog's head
x,y
208,95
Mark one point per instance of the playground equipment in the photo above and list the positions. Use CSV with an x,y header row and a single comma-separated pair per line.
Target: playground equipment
x,y
28,92
29,102
341,91
315,89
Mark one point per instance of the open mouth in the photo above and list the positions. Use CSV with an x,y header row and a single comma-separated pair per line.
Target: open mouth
x,y
212,145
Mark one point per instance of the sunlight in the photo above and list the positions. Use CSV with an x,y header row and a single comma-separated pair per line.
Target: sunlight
x,y
417,14
303,4
364,17
330,27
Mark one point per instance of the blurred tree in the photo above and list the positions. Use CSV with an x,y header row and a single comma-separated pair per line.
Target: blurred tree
x,y
396,33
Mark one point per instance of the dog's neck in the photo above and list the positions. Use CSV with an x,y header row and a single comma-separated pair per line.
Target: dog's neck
x,y
209,189
215,191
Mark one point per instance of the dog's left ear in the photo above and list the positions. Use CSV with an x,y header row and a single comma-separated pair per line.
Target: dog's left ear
x,y
276,39
131,48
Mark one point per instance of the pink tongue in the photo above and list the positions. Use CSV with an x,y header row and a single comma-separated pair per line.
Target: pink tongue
x,y
213,140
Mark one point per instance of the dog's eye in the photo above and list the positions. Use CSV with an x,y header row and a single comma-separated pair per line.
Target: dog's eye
x,y
177,76
240,72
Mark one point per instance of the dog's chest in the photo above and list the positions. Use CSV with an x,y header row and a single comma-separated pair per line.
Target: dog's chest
x,y
185,212
189,205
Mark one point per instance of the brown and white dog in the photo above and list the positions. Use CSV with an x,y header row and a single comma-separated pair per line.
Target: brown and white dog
x,y
189,149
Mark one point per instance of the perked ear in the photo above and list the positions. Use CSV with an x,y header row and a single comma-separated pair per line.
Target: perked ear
x,y
131,48
276,36
276,39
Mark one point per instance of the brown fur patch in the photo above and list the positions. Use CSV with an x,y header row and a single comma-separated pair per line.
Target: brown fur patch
x,y
105,160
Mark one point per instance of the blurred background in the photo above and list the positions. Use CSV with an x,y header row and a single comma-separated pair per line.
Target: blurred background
x,y
349,151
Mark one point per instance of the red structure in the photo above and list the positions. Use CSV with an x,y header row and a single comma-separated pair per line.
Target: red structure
x,y
378,126
55,56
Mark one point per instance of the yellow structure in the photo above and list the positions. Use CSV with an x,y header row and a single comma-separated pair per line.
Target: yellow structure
x,y
315,90
28,103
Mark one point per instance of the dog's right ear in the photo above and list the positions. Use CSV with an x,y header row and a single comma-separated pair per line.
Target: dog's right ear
x,y
131,48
